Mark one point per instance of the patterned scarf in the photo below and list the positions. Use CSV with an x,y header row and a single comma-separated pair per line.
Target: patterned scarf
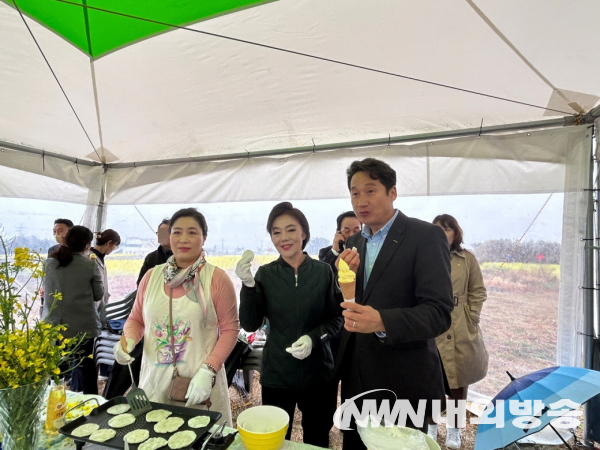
x,y
189,278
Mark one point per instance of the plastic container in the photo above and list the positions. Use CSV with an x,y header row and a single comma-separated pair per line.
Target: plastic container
x,y
57,406
263,427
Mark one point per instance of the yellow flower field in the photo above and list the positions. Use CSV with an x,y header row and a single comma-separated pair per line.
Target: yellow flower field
x,y
132,267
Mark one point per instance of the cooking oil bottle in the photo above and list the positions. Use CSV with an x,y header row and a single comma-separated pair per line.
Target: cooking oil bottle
x,y
57,405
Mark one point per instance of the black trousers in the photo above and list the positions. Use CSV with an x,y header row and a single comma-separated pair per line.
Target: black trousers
x,y
317,405
84,377
119,379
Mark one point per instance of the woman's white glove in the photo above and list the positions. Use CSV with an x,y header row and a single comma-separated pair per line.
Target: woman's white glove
x,y
301,348
122,356
200,386
242,269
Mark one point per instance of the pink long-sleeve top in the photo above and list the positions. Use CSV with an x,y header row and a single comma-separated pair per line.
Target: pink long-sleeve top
x,y
223,297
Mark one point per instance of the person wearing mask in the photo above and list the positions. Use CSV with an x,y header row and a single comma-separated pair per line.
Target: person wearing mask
x,y
347,225
119,379
461,347
204,317
403,300
71,273
60,230
300,298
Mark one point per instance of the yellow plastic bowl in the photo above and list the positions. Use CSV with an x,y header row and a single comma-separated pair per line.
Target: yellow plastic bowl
x,y
263,427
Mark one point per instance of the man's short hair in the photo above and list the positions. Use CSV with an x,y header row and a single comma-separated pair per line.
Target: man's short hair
x,y
166,222
66,222
378,170
342,216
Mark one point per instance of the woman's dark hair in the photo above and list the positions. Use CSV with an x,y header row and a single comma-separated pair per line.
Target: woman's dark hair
x,y
108,235
194,214
286,208
76,240
343,216
378,170
447,221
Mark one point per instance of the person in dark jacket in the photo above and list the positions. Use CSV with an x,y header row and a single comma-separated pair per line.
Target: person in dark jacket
x,y
119,379
301,300
347,225
161,254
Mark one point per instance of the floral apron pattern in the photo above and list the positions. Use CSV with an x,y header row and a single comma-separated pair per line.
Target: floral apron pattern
x,y
193,341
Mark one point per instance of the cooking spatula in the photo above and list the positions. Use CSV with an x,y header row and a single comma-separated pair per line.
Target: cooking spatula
x,y
137,398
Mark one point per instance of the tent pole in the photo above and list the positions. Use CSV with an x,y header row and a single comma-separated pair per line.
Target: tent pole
x,y
27,149
284,152
101,212
591,296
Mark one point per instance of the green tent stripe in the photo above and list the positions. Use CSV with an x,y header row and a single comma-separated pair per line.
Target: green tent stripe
x,y
97,33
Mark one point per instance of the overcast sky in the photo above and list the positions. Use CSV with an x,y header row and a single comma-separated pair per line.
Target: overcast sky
x,y
232,225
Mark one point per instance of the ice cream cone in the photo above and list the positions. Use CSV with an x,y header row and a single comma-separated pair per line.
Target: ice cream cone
x,y
348,291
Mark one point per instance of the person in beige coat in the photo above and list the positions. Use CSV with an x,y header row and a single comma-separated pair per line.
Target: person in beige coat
x,y
461,348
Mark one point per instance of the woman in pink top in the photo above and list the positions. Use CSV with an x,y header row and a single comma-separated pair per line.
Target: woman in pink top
x,y
205,320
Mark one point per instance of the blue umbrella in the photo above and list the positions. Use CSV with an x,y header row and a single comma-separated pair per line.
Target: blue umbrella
x,y
549,392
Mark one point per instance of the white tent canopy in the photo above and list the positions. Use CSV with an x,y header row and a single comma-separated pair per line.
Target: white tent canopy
x,y
183,94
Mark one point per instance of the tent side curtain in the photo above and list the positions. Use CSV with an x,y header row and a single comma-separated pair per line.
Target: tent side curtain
x,y
576,211
33,176
513,163
494,164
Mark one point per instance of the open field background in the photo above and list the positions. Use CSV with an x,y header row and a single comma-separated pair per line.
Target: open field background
x,y
518,321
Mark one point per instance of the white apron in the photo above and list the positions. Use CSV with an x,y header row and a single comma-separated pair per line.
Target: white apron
x,y
193,342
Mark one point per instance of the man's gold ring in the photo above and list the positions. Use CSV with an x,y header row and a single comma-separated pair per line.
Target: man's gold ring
x,y
354,324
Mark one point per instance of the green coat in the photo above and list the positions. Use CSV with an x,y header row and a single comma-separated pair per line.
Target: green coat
x,y
461,347
309,306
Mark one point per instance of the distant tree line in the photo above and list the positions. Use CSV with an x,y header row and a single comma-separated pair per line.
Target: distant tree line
x,y
499,250
32,243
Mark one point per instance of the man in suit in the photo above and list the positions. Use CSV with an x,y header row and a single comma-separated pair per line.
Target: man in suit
x,y
403,299
347,225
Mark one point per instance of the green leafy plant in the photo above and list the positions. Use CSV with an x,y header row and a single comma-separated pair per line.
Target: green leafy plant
x,y
31,350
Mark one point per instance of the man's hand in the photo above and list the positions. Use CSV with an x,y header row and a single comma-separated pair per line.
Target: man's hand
x,y
361,318
336,242
351,257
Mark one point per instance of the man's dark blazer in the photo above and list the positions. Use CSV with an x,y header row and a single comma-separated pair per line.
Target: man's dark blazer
x,y
410,286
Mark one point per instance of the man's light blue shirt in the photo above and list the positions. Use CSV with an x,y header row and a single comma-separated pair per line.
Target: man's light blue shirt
x,y
374,244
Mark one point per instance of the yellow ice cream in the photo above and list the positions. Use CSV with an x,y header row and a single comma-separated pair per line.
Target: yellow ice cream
x,y
345,275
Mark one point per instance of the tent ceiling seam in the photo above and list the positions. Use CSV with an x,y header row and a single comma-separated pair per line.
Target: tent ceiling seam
x,y
97,105
510,45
